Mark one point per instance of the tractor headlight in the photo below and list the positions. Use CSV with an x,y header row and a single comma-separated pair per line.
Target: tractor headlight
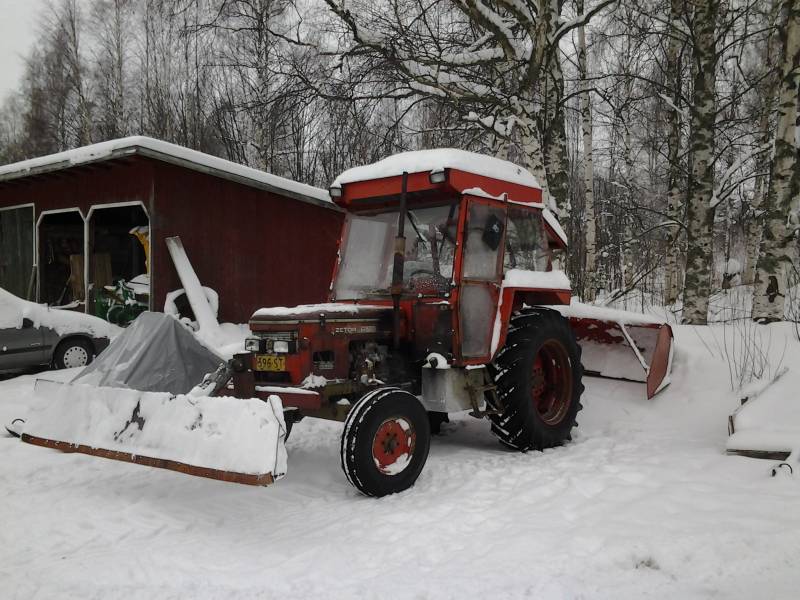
x,y
280,347
252,345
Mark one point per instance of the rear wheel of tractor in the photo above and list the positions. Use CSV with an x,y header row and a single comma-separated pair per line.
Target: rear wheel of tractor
x,y
73,352
538,377
385,442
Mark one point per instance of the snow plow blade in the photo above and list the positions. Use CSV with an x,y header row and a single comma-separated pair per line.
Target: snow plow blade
x,y
622,345
229,439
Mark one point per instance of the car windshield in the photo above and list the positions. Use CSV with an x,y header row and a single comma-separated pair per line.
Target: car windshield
x,y
366,266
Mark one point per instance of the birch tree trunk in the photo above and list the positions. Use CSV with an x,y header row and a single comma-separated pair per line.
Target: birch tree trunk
x,y
552,130
674,196
590,266
755,223
777,242
700,214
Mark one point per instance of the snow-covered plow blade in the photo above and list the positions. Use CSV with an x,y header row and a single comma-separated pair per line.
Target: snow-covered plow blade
x,y
142,401
223,438
622,345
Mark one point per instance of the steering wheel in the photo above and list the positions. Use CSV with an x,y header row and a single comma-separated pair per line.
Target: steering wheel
x,y
434,283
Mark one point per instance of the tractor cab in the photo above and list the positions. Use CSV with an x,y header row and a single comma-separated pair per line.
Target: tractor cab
x,y
438,242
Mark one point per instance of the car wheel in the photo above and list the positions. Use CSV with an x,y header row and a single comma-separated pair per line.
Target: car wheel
x,y
72,353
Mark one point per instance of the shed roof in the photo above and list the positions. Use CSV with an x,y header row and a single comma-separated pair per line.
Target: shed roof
x,y
170,153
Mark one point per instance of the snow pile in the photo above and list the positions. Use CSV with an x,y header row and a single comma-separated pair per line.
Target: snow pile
x,y
770,419
129,145
552,221
315,310
438,160
229,434
171,308
13,310
543,280
643,503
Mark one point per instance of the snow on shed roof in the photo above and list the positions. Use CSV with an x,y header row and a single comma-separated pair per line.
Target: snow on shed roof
x,y
171,153
436,160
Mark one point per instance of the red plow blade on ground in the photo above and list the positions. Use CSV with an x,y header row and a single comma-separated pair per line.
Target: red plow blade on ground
x,y
622,345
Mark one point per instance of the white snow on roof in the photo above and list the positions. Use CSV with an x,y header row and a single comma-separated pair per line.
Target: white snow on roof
x,y
105,150
436,160
552,221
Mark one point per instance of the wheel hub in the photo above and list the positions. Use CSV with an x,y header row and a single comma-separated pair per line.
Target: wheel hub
x,y
393,445
75,357
551,382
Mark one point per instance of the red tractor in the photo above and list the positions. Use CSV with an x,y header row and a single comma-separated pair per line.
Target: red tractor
x,y
444,299
439,304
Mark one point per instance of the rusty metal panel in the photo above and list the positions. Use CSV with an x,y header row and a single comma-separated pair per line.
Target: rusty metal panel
x,y
159,463
253,247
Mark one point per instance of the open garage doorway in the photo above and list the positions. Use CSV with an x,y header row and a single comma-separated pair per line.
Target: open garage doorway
x,y
17,251
119,247
60,246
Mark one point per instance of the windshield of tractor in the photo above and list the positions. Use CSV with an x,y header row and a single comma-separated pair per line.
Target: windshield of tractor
x,y
368,254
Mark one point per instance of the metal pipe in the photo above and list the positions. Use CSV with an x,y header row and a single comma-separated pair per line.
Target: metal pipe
x,y
399,258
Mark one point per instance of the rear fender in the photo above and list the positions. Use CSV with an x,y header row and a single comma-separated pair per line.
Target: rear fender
x,y
515,299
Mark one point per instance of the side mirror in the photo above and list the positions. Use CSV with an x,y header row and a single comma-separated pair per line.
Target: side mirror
x,y
27,323
493,232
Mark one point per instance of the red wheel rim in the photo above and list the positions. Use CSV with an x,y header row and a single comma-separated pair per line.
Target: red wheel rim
x,y
551,382
393,445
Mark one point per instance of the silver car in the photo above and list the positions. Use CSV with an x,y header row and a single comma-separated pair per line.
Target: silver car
x,y
31,346
62,339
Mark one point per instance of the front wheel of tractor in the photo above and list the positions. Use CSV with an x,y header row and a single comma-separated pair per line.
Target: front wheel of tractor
x,y
385,442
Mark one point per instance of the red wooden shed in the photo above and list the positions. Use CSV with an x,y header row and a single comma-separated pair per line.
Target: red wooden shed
x,y
72,221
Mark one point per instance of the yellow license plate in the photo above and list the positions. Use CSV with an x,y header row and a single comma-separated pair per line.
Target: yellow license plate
x,y
270,362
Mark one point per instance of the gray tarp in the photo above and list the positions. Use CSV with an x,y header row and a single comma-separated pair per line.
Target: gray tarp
x,y
154,354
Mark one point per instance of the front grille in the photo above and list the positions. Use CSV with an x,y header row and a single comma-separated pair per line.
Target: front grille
x,y
287,336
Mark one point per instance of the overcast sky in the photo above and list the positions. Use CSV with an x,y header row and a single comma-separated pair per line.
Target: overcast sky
x,y
17,20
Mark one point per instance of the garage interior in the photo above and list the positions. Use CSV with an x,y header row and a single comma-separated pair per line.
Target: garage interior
x,y
119,286
61,236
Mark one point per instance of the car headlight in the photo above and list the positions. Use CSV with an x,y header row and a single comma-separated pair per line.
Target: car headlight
x,y
280,347
252,344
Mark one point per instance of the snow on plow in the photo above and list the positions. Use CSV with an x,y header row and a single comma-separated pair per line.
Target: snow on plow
x,y
622,345
230,439
141,401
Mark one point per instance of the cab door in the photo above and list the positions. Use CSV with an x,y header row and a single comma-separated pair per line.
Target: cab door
x,y
481,273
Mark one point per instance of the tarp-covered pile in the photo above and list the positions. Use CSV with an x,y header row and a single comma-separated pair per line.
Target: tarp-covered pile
x,y
154,354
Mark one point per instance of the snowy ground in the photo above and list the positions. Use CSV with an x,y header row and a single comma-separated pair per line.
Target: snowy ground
x,y
644,503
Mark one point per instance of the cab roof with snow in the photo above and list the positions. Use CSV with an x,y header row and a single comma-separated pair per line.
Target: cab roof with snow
x,y
444,171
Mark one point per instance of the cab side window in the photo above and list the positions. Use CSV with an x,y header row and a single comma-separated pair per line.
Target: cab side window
x,y
526,241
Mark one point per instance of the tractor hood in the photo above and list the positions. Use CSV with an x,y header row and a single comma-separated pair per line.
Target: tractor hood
x,y
331,312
